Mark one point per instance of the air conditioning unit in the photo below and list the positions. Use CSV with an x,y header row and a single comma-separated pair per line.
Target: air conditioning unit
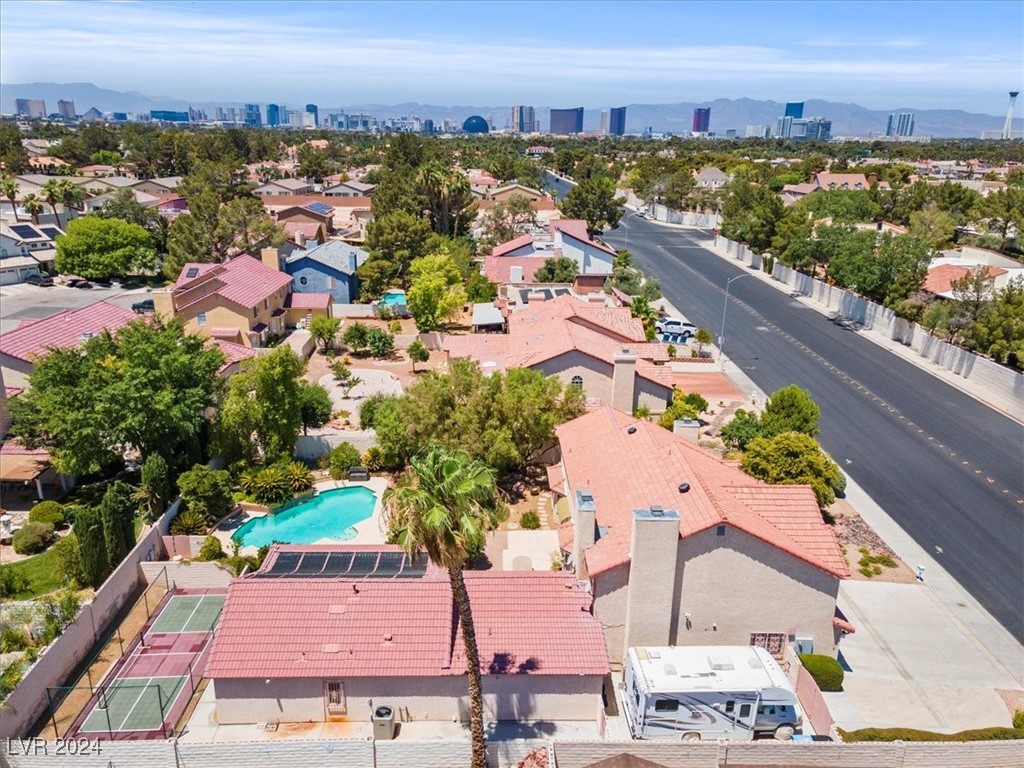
x,y
803,645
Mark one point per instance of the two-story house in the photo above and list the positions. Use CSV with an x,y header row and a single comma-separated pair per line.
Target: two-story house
x,y
26,250
328,268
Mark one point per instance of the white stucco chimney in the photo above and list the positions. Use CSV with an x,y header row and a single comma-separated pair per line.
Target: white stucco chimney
x,y
515,274
623,380
584,531
650,596
688,428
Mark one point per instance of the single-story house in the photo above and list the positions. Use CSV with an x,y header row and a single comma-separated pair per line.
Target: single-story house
x,y
283,187
349,189
682,548
318,631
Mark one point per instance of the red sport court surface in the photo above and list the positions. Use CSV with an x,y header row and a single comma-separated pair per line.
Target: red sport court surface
x,y
147,690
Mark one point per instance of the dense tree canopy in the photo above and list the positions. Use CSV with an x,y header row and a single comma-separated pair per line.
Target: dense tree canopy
x,y
435,291
100,248
594,200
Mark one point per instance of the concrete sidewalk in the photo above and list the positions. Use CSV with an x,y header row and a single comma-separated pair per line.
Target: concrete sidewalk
x,y
1013,409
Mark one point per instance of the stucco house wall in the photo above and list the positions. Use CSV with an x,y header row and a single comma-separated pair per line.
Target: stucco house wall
x,y
597,380
591,260
220,313
310,276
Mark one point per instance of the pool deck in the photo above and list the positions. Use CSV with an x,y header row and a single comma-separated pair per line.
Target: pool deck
x,y
368,531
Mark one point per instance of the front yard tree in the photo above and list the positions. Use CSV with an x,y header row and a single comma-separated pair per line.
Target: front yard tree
x,y
356,336
594,201
446,505
790,409
260,412
436,292
418,353
560,269
324,329
98,248
508,220
792,458
145,386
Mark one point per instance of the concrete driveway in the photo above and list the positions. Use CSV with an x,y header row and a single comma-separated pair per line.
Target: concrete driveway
x,y
912,663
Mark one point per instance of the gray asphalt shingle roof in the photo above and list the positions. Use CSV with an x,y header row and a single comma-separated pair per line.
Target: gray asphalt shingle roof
x,y
334,254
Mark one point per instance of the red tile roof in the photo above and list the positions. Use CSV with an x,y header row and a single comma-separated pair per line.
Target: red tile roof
x,y
233,353
941,278
712,386
498,269
634,471
243,280
535,623
308,301
14,447
63,329
511,245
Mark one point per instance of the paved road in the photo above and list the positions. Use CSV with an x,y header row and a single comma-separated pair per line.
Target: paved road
x,y
21,302
945,467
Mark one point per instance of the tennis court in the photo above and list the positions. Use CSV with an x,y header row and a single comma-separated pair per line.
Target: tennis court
x,y
149,688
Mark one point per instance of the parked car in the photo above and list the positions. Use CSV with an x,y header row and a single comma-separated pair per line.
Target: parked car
x,y
43,281
82,284
141,307
675,327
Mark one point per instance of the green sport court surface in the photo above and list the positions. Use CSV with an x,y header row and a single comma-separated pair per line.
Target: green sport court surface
x,y
133,704
187,613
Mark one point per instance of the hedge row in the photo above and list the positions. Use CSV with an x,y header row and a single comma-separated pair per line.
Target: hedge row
x,y
911,734
826,671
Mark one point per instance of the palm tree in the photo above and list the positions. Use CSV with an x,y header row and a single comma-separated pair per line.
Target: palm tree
x,y
71,195
52,194
9,189
33,206
446,504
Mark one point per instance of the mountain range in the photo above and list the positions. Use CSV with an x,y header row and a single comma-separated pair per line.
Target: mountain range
x,y
847,119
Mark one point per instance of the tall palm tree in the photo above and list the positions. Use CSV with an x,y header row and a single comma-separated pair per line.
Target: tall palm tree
x,y
33,206
9,189
446,504
52,194
71,195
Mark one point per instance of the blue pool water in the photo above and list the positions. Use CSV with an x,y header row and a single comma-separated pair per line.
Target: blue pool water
x,y
329,515
393,298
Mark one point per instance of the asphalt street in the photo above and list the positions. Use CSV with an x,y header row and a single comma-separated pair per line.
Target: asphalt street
x,y
945,467
22,302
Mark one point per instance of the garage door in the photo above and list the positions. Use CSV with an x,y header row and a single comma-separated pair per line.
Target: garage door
x,y
8,276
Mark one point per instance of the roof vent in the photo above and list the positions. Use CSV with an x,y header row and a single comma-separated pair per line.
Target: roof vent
x,y
684,487
631,431
657,511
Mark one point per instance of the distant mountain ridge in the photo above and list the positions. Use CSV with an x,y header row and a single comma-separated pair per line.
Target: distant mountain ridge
x,y
847,119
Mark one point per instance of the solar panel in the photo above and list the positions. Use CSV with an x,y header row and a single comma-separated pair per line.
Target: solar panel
x,y
192,272
321,208
364,563
312,564
25,232
51,232
338,563
414,570
389,565
285,563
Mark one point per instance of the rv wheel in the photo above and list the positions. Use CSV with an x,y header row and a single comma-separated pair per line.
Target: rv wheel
x,y
784,732
691,736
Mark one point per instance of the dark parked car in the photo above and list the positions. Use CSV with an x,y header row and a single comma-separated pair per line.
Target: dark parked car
x,y
83,284
44,281
141,307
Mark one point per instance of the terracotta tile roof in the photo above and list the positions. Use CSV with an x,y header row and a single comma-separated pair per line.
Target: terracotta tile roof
x,y
498,269
634,471
308,301
511,245
14,447
224,333
940,279
243,280
536,623
233,353
712,386
63,329
577,229
309,229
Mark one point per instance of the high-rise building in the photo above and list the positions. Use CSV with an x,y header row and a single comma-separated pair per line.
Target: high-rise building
x,y
794,109
617,121
168,116
566,121
273,115
66,109
252,118
523,120
798,129
900,124
428,126
701,119
311,109
604,122
34,109
758,131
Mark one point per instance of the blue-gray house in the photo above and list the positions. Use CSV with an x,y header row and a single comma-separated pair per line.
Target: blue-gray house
x,y
328,268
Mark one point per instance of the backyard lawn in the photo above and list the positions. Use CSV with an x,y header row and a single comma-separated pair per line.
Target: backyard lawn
x,y
42,575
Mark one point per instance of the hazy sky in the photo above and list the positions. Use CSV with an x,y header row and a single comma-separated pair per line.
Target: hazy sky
x,y
917,54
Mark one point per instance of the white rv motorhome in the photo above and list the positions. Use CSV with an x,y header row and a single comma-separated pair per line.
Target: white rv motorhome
x,y
708,692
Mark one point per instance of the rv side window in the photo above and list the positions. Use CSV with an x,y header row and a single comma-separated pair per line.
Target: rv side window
x,y
666,705
744,710
766,709
730,707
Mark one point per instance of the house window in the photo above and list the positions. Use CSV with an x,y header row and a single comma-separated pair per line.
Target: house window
x,y
577,383
255,311
666,705
720,531
330,282
335,698
773,642
265,304
303,281
201,318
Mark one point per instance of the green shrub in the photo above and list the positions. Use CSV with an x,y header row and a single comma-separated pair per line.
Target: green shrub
x,y
395,327
47,512
32,538
300,479
211,550
11,582
1018,719
368,409
344,456
826,671
530,521
189,523
380,342
269,485
912,734
373,459
69,561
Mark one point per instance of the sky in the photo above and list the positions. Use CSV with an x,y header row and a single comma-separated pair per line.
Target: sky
x,y
922,54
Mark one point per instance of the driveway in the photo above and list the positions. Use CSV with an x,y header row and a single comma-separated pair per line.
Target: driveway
x,y
911,663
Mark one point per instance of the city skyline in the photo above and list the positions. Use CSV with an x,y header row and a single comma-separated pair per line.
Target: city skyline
x,y
434,52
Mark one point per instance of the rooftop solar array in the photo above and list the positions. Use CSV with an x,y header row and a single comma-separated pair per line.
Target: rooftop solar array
x,y
192,272
25,232
321,208
350,565
51,232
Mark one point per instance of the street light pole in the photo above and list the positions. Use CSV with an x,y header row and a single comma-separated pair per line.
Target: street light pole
x,y
725,307
625,230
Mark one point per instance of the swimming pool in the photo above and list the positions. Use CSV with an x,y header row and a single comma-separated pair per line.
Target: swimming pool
x,y
328,515
393,298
